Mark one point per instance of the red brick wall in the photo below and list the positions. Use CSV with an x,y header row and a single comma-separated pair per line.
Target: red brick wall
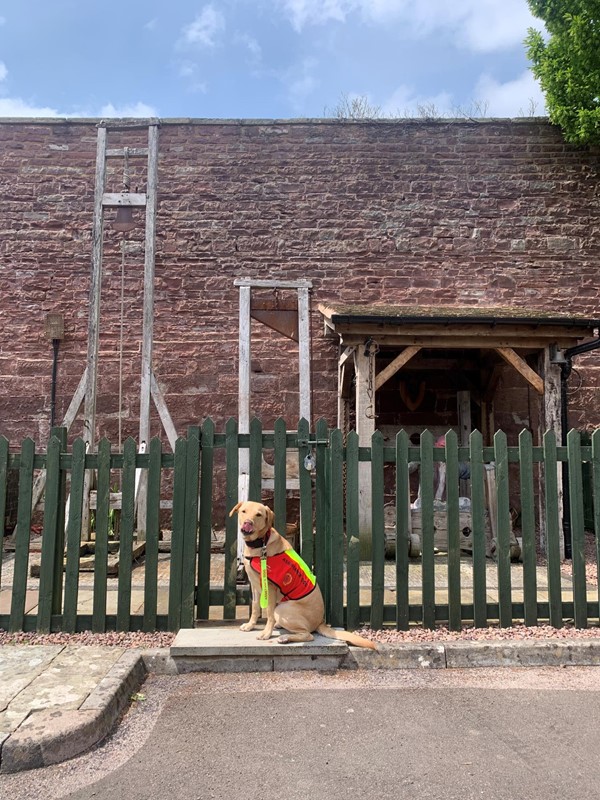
x,y
461,213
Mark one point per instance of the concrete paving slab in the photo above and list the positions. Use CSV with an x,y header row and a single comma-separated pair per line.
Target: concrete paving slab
x,y
231,642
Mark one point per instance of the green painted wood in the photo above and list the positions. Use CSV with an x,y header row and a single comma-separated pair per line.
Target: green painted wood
x,y
59,551
22,535
480,617
378,531
453,525
402,531
352,533
50,535
503,529
595,478
577,529
427,529
3,489
552,528
306,500
206,507
231,526
101,542
126,533
336,564
528,532
73,535
177,534
322,509
256,446
152,538
280,491
190,538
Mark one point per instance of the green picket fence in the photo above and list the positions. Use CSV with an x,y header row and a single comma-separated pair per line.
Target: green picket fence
x,y
360,582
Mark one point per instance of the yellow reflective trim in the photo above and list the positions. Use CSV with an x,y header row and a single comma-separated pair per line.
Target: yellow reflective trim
x,y
302,564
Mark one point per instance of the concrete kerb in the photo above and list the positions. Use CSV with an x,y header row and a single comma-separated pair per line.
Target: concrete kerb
x,y
51,735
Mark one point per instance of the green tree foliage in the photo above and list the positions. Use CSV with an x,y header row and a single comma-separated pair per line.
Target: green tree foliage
x,y
567,64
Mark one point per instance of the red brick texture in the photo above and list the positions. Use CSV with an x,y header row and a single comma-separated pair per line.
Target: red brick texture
x,y
482,213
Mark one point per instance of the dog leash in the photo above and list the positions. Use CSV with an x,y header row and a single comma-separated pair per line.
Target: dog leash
x,y
264,581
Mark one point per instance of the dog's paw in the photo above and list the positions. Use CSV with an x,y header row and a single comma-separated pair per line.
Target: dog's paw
x,y
264,635
283,639
247,626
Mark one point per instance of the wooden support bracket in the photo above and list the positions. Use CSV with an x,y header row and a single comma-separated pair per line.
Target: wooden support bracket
x,y
515,360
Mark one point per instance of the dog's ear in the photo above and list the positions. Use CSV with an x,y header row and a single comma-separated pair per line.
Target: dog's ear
x,y
235,509
270,517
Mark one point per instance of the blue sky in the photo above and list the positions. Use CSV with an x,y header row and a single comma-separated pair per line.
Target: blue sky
x,y
264,58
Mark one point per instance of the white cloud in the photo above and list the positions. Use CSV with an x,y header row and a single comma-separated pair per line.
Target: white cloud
x,y
3,71
300,83
479,25
130,110
315,12
15,107
521,97
404,102
251,44
204,29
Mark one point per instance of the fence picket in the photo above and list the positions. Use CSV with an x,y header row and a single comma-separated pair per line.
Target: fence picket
x,y
577,528
402,531
453,525
231,530
152,537
337,529
280,478
50,541
596,498
190,538
552,528
3,492
528,528
74,535
22,535
352,533
101,541
377,531
427,530
305,480
322,508
478,530
206,510
126,534
503,529
255,460
178,524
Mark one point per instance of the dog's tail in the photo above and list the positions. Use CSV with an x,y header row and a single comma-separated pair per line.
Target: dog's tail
x,y
351,638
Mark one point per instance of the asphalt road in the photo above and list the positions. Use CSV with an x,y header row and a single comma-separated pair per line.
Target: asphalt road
x,y
499,734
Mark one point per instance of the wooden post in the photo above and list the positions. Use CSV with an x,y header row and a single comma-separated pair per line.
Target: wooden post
x,y
148,323
365,427
551,421
304,352
465,427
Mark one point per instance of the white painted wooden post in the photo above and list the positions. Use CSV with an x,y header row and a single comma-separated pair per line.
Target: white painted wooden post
x,y
244,401
365,427
304,353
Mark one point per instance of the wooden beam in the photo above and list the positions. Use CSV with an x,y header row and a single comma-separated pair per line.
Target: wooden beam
x,y
395,365
114,199
265,284
515,360
163,412
348,353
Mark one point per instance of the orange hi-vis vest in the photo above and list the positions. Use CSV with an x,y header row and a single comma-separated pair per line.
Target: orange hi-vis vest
x,y
289,573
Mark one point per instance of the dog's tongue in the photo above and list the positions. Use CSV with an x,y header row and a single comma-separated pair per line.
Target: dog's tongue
x,y
247,527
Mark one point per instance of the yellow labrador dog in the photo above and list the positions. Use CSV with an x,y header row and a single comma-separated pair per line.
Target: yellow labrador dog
x,y
293,600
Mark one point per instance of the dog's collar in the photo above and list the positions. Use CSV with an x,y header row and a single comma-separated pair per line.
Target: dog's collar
x,y
255,544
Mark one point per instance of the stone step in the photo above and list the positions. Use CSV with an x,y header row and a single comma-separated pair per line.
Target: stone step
x,y
228,649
